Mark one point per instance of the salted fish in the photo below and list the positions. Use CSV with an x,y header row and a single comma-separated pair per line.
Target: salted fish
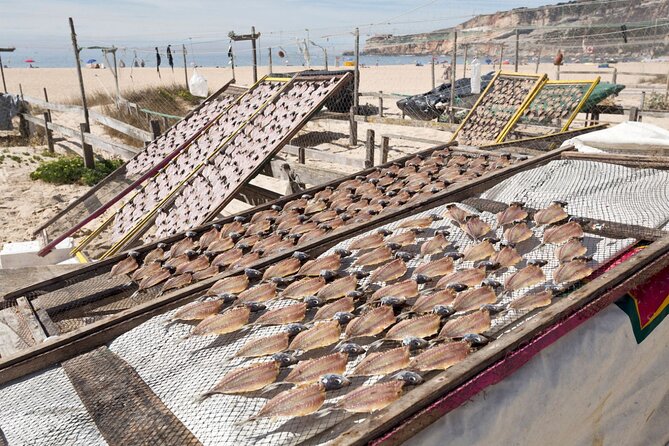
x,y
474,298
223,323
561,233
526,277
518,233
285,315
530,301
572,271
375,257
426,302
388,272
338,288
382,363
258,293
343,305
436,268
440,357
367,399
479,251
311,370
570,250
406,288
125,266
263,346
234,284
314,267
320,335
506,257
475,227
368,242
476,322
511,214
371,323
551,215
198,310
247,379
418,327
308,286
456,213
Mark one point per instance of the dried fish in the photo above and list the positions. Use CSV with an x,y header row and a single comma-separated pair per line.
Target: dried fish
x,y
382,363
406,288
303,288
552,214
570,250
221,245
310,371
234,284
338,306
388,272
176,282
517,233
284,268
530,301
338,288
465,276
479,251
263,346
258,293
226,322
476,322
511,214
156,255
246,261
435,244
418,327
370,323
330,262
186,244
196,311
474,298
320,335
208,237
126,266
228,257
475,227
247,379
367,399
375,257
526,277
402,239
440,357
197,264
146,271
180,260
426,302
154,279
373,240
435,268
506,257
422,222
284,315
573,270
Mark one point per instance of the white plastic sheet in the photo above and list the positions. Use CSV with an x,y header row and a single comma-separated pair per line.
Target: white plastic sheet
x,y
198,85
476,76
627,137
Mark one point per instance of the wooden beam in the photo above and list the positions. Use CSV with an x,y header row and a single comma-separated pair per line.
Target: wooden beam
x,y
412,138
26,309
321,155
609,286
655,162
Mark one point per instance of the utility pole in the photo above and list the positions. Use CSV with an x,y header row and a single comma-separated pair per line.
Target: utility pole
x,y
183,51
252,37
2,68
325,53
89,161
464,68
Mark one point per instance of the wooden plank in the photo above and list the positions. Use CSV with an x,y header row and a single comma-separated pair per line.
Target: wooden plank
x,y
412,138
389,121
657,162
321,155
10,341
614,283
603,228
133,132
28,313
123,407
97,333
307,174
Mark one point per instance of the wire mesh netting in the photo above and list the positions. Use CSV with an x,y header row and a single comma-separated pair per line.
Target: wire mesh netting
x,y
180,370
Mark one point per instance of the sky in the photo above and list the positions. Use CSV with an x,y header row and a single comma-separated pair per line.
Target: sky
x,y
39,28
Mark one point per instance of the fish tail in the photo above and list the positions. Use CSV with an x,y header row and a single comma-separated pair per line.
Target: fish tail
x,y
324,412
376,344
184,337
203,396
246,421
270,387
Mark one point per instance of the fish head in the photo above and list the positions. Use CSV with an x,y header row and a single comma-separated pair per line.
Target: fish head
x,y
227,298
191,253
491,240
162,246
436,217
391,174
383,203
302,218
488,265
393,301
301,256
443,232
372,211
342,252
253,274
240,219
492,283
494,308
562,204
294,329
450,206
454,255
293,237
417,230
329,275
243,246
282,281
190,234
345,217
235,237
584,259
313,301
307,196
276,207
537,262
517,204
392,193
443,310
333,381
422,278
350,348
171,269
209,254
283,232
134,254
284,359
393,246
343,317
415,343
360,177
361,274
410,378
579,220
355,294
506,244
475,339
217,226
255,306
457,287
373,180
405,256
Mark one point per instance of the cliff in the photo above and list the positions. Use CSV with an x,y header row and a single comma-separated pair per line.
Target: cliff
x,y
582,29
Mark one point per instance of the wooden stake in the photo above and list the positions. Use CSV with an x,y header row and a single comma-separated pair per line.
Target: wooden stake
x,y
356,73
433,79
369,156
385,146
183,52
536,69
381,104
464,67
2,72
81,80
454,63
155,128
517,50
353,127
89,159
255,55
48,133
270,60
46,98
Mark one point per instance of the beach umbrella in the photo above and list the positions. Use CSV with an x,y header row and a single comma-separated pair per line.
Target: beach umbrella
x,y
91,61
29,61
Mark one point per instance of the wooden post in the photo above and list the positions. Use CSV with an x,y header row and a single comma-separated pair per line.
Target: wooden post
x,y
464,66
356,73
385,145
155,128
81,84
183,52
517,50
666,93
641,105
353,126
369,156
614,75
381,104
501,56
2,72
557,72
454,63
21,91
166,123
432,68
89,160
634,114
536,69
301,155
46,98
47,132
270,59
118,90
255,55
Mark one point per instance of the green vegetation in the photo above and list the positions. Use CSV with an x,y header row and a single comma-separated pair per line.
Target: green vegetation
x,y
656,101
71,170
